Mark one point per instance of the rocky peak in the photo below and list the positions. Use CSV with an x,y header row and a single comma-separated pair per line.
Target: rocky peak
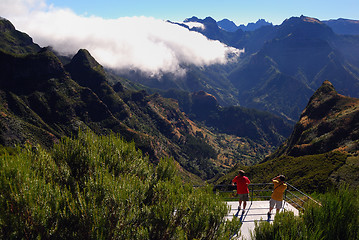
x,y
13,41
305,27
322,101
328,123
85,70
6,25
83,58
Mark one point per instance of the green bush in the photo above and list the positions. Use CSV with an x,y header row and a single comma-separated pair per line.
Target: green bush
x,y
100,187
336,218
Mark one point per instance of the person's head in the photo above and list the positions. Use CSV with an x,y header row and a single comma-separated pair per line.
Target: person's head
x,y
282,178
241,173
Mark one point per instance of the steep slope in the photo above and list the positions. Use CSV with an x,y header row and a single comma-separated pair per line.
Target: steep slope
x,y
13,41
322,151
329,122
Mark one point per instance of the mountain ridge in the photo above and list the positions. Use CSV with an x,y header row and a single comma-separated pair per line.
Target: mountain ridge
x,y
230,26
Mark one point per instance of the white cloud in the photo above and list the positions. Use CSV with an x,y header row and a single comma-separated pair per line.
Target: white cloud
x,y
145,43
194,25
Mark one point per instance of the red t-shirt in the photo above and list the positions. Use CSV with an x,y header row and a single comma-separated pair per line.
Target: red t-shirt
x,y
242,184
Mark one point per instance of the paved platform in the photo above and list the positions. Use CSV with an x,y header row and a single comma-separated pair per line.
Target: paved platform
x,y
255,211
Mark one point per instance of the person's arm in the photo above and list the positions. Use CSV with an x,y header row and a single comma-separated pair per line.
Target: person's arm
x,y
276,178
234,179
248,181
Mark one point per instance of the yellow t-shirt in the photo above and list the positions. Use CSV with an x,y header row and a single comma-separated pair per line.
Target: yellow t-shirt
x,y
279,188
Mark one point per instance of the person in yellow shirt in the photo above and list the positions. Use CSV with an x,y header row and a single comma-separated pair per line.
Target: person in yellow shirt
x,y
277,195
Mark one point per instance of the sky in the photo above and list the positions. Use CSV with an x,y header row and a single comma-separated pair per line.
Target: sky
x,y
134,34
239,11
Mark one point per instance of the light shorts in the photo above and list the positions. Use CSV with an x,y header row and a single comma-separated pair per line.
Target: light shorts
x,y
277,204
243,197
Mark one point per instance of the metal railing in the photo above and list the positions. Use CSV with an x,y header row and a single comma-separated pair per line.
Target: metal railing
x,y
262,191
297,198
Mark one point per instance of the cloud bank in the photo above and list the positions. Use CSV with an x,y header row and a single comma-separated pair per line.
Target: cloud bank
x,y
144,43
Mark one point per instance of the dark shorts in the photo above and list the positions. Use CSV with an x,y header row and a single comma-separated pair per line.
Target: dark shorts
x,y
243,197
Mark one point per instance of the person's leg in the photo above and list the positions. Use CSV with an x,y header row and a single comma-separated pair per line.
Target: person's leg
x,y
244,204
271,206
240,204
278,206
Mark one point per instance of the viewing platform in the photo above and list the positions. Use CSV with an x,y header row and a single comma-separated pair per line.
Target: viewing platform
x,y
258,204
255,211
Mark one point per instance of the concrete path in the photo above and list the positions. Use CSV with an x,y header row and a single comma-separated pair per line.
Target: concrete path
x,y
255,211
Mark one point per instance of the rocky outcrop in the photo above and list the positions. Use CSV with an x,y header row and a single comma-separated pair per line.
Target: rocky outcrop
x,y
330,122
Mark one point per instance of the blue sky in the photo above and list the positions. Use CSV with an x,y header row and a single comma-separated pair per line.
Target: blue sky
x,y
241,12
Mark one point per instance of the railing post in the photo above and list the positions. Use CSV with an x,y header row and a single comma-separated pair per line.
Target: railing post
x,y
252,193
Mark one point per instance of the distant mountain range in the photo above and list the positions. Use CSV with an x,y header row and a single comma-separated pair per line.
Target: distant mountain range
x,y
230,26
339,26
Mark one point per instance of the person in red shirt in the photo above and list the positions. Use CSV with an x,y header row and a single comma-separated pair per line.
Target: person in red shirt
x,y
242,188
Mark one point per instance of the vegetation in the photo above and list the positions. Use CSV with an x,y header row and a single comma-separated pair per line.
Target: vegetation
x,y
100,187
309,173
336,218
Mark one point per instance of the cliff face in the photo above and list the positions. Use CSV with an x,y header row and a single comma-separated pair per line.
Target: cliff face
x,y
329,122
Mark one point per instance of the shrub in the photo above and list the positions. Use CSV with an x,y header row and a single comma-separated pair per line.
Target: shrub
x,y
336,218
100,187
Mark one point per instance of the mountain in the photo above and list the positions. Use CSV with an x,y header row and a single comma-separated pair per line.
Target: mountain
x,y
227,25
254,26
250,37
280,69
322,151
328,123
230,26
283,74
13,41
344,26
43,99
212,31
